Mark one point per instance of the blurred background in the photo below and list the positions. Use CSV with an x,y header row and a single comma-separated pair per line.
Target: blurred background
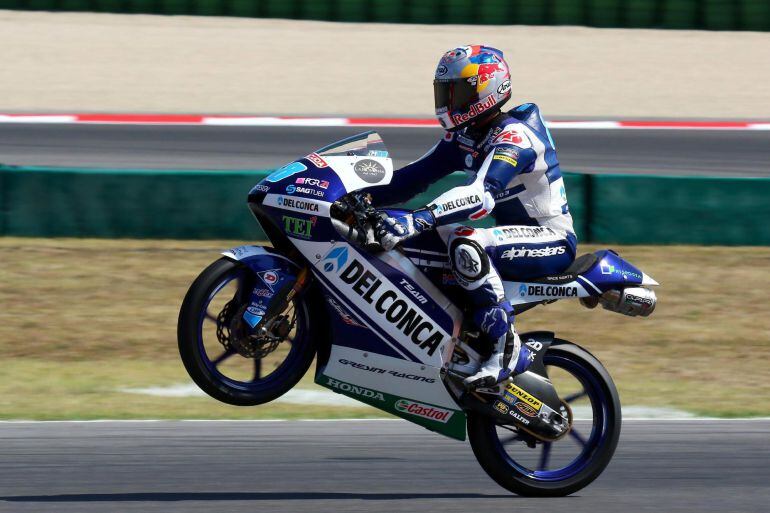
x,y
131,131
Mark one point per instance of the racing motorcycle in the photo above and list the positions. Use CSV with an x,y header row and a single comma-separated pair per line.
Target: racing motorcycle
x,y
390,328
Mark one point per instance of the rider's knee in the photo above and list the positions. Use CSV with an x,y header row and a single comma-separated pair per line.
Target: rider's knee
x,y
468,258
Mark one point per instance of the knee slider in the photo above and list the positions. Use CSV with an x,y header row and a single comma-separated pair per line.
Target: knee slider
x,y
469,260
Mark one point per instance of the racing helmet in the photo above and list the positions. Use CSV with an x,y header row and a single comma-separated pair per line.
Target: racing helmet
x,y
471,83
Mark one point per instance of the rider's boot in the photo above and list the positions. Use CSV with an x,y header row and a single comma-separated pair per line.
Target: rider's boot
x,y
508,357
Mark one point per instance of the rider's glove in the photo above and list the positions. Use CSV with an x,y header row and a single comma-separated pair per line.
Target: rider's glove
x,y
392,229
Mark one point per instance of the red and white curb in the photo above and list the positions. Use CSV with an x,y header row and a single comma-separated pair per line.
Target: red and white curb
x,y
272,121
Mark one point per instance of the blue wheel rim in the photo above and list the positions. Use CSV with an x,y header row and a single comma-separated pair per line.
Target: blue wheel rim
x,y
278,375
591,444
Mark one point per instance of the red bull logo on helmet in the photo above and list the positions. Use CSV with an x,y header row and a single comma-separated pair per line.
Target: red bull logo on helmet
x,y
475,109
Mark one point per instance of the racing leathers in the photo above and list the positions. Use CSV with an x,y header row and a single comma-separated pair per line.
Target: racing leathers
x,y
514,176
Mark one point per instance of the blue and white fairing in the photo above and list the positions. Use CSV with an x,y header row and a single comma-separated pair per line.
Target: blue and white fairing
x,y
387,318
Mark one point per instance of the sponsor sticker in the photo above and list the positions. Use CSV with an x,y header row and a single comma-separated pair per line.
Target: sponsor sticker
x,y
441,70
506,158
518,417
269,278
302,228
253,315
475,109
291,189
298,204
510,152
392,306
335,259
263,292
355,390
314,182
504,87
343,314
526,409
423,410
317,160
508,397
523,252
631,298
456,203
607,268
467,141
522,232
370,171
524,396
548,290
501,407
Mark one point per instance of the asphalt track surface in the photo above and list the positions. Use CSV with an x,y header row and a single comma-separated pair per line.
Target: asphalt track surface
x,y
664,152
374,466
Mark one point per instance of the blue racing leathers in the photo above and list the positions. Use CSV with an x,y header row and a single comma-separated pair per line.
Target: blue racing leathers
x,y
514,176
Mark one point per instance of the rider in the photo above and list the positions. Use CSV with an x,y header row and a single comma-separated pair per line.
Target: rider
x,y
514,176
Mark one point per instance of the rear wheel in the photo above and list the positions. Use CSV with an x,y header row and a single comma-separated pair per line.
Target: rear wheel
x,y
223,356
526,466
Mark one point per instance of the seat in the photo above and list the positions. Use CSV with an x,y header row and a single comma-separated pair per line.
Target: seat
x,y
579,266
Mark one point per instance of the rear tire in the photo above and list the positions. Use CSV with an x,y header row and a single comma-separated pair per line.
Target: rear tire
x,y
199,364
486,445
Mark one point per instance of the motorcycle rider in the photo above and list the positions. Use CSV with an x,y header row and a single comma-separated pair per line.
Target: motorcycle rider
x,y
514,176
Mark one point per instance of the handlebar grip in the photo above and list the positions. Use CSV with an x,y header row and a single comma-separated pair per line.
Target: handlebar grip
x,y
353,234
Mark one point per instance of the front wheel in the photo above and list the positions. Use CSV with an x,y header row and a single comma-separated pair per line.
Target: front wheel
x,y
525,466
223,357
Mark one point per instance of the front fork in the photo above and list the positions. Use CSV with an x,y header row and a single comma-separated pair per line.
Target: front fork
x,y
262,306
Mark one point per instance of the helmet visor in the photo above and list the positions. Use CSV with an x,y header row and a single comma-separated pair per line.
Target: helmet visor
x,y
454,95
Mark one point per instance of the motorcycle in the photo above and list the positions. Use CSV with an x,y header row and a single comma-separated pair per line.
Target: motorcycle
x,y
390,328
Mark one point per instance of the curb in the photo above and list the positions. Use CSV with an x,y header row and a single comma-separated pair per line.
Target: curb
x,y
291,121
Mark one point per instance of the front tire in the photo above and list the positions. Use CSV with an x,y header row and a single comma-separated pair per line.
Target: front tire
x,y
597,448
205,366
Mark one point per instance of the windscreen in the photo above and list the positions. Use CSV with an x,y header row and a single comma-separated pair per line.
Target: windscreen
x,y
368,144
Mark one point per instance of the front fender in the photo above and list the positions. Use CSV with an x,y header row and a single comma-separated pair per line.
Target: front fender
x,y
259,258
274,280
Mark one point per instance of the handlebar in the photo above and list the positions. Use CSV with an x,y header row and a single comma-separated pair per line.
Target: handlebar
x,y
354,218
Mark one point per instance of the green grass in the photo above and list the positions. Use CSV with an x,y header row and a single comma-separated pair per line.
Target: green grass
x,y
81,319
45,390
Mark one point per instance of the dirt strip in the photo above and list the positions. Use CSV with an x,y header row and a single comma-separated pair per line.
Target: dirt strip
x,y
138,63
